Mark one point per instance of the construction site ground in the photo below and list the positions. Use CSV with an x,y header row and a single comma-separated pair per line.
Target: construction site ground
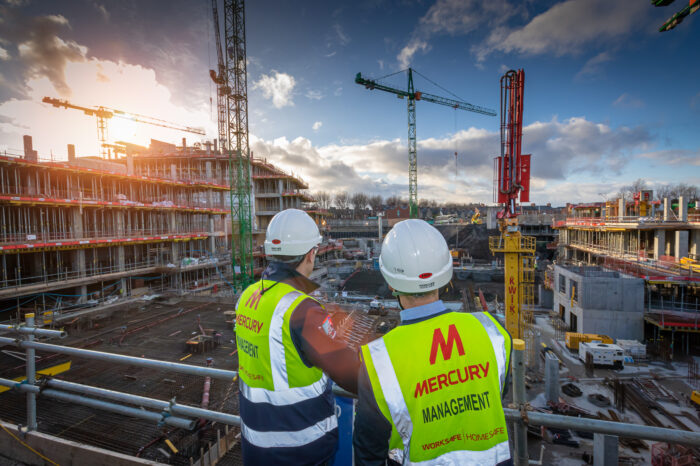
x,y
672,377
159,331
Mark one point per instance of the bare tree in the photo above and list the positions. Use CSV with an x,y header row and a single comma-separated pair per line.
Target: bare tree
x,y
393,201
341,199
359,202
376,202
674,191
324,199
630,190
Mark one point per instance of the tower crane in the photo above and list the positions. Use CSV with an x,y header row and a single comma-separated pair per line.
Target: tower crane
x,y
413,96
232,109
512,182
104,114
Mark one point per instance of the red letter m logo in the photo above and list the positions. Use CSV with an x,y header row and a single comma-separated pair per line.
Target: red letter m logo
x,y
254,299
445,347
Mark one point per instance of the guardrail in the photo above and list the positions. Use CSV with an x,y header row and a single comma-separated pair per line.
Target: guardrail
x,y
184,416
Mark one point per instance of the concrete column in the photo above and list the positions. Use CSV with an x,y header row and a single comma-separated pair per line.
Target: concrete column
x,y
280,190
120,223
212,238
695,242
83,294
605,450
121,258
681,244
621,208
667,210
173,228
173,171
682,209
77,222
31,183
659,243
551,378
129,163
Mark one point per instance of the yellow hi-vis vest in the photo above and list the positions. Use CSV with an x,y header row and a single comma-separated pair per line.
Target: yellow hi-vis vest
x,y
271,371
439,383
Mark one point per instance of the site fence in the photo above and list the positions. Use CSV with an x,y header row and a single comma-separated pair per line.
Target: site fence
x,y
183,416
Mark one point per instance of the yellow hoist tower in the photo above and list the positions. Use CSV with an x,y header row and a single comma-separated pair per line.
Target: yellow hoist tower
x,y
512,183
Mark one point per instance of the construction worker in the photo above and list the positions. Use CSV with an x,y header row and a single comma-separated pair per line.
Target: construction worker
x,y
430,390
286,352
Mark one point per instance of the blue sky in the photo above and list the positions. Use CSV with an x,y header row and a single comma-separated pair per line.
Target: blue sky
x,y
608,99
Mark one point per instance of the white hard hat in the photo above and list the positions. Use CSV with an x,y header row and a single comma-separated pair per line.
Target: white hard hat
x,y
291,233
415,258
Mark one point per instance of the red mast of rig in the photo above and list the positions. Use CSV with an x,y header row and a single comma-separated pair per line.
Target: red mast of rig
x,y
512,169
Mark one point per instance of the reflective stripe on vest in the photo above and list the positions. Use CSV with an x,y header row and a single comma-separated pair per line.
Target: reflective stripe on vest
x,y
391,389
499,345
283,397
277,391
277,358
493,455
290,439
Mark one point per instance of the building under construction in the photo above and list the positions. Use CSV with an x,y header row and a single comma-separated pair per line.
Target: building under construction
x,y
88,230
656,241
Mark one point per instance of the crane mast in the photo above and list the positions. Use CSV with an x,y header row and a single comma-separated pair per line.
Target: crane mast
x,y
235,74
219,78
412,95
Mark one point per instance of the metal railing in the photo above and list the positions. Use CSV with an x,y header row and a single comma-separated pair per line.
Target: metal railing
x,y
184,416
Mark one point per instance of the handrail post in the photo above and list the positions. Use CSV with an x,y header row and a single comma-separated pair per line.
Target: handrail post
x,y
519,429
31,376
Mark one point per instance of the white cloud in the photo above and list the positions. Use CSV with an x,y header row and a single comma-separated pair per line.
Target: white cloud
x,y
313,94
278,87
3,54
565,154
123,86
317,125
454,17
343,38
338,92
594,65
405,56
627,101
102,10
566,27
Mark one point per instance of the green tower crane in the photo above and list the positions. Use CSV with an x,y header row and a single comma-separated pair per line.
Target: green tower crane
x,y
232,104
413,96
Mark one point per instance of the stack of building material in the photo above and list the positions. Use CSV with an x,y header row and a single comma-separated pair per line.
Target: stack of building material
x,y
633,348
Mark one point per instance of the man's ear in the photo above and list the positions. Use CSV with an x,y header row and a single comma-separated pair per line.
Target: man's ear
x,y
310,256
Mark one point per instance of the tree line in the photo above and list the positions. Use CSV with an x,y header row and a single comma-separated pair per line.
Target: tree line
x,y
360,203
671,190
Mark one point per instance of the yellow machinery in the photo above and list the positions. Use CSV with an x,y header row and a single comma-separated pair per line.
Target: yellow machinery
x,y
695,397
476,218
519,272
573,339
690,264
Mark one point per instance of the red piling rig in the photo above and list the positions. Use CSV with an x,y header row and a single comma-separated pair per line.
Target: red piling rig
x,y
512,169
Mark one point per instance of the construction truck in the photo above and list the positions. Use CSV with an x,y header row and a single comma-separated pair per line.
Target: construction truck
x,y
573,339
